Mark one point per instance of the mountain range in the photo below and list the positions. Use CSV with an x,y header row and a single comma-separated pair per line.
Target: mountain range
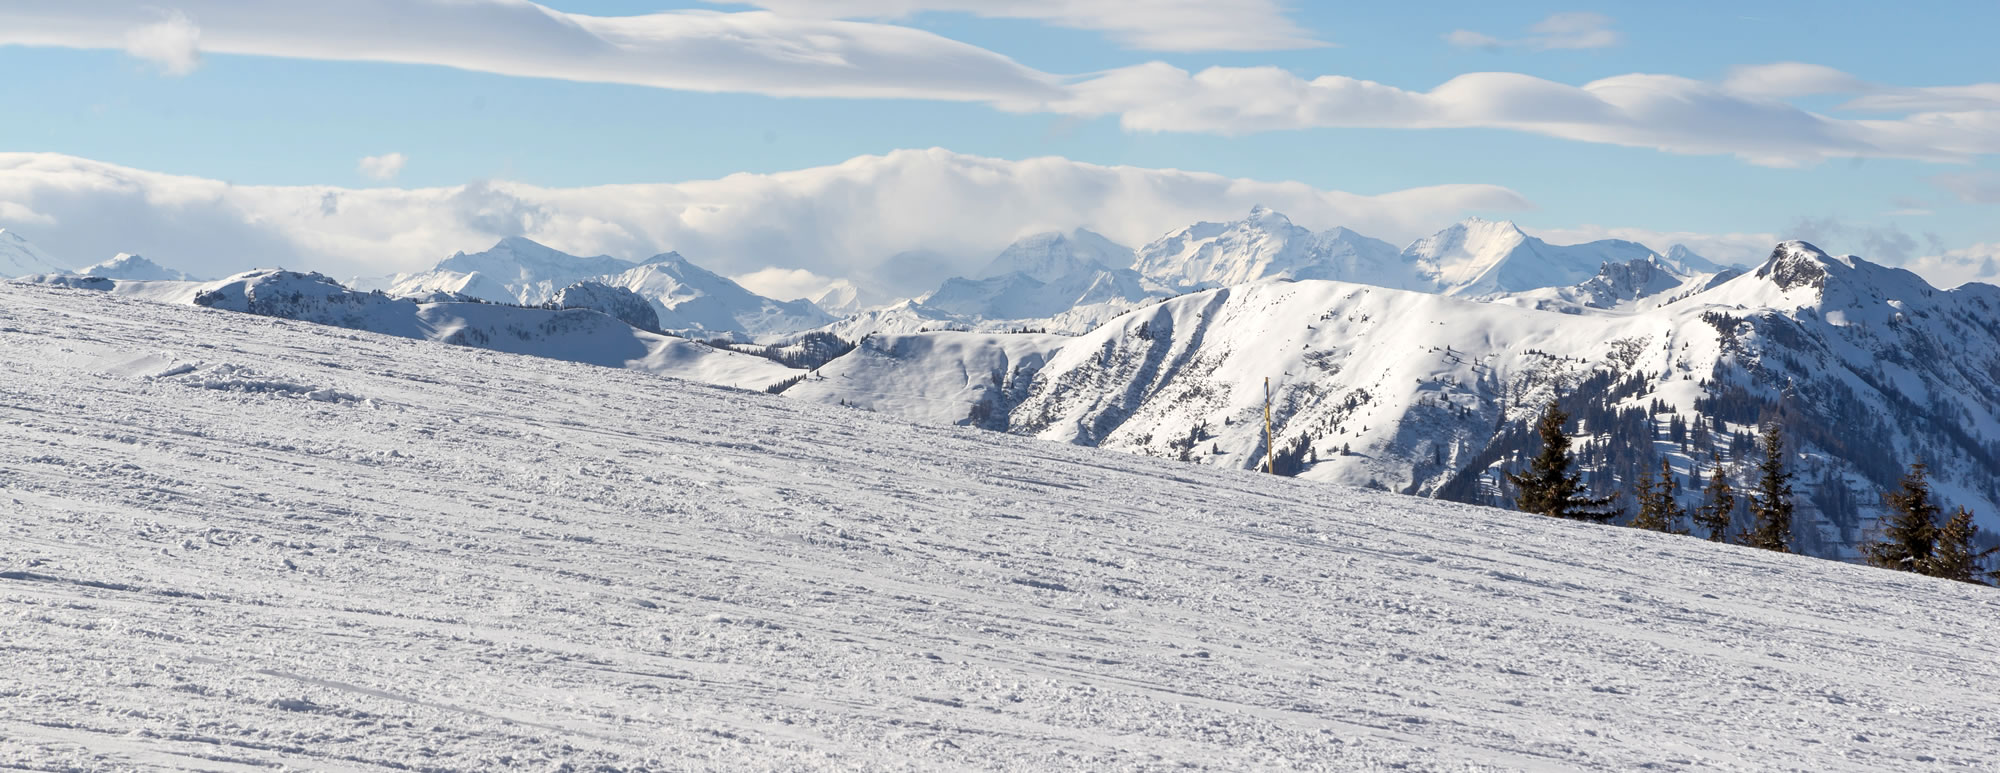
x,y
687,299
1869,368
1414,370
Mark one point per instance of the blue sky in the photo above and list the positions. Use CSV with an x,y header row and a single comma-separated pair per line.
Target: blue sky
x,y
271,120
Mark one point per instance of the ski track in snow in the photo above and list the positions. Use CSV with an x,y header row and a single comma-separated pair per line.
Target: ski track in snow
x,y
474,560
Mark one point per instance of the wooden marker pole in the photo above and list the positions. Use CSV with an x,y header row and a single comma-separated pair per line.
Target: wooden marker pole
x,y
1270,444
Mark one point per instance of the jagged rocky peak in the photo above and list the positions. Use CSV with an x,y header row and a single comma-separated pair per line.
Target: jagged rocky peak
x,y
627,306
1795,264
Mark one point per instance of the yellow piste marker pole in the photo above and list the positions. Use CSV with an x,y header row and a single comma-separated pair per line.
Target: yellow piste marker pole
x,y
1270,444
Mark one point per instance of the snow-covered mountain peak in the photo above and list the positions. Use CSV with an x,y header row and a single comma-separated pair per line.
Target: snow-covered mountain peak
x,y
1688,262
20,257
1052,255
1488,258
1794,264
1473,236
1267,217
518,260
129,266
843,298
672,258
1203,255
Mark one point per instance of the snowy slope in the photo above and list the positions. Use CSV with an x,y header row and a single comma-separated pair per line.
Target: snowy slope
x,y
459,560
128,266
20,257
1870,367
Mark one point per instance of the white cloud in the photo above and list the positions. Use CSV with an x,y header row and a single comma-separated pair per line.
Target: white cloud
x,y
1662,112
172,43
1566,30
15,215
384,167
1154,25
1978,263
1782,80
1791,79
940,211
1978,187
768,53
784,283
757,52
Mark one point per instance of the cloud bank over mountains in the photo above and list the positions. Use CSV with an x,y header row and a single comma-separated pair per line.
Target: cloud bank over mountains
x,y
821,53
886,219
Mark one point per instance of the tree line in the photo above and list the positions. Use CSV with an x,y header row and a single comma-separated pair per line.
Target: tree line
x,y
1915,537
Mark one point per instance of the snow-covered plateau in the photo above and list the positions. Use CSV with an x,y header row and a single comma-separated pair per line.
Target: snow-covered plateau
x,y
239,542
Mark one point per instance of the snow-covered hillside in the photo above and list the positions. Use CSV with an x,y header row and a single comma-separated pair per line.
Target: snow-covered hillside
x,y
582,333
1869,367
687,299
20,257
236,542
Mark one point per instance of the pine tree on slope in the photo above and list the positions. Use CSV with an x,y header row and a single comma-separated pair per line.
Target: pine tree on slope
x,y
1549,486
1772,504
1719,503
1955,558
1658,509
1910,532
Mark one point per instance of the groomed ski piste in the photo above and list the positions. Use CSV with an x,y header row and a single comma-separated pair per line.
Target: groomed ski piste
x,y
234,542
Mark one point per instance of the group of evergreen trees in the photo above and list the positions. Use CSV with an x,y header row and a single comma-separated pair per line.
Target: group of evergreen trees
x,y
1914,541
1914,537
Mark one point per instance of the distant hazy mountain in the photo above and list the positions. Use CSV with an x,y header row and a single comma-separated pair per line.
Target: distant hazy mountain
x,y
20,257
129,266
686,298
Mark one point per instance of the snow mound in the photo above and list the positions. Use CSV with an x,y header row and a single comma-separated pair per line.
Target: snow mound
x,y
236,378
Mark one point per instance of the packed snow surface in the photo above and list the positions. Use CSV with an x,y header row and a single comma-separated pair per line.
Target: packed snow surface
x,y
233,542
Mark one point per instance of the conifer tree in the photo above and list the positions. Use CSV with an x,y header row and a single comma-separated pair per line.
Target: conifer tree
x,y
1955,558
1549,486
1772,504
1659,510
1718,505
1910,532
